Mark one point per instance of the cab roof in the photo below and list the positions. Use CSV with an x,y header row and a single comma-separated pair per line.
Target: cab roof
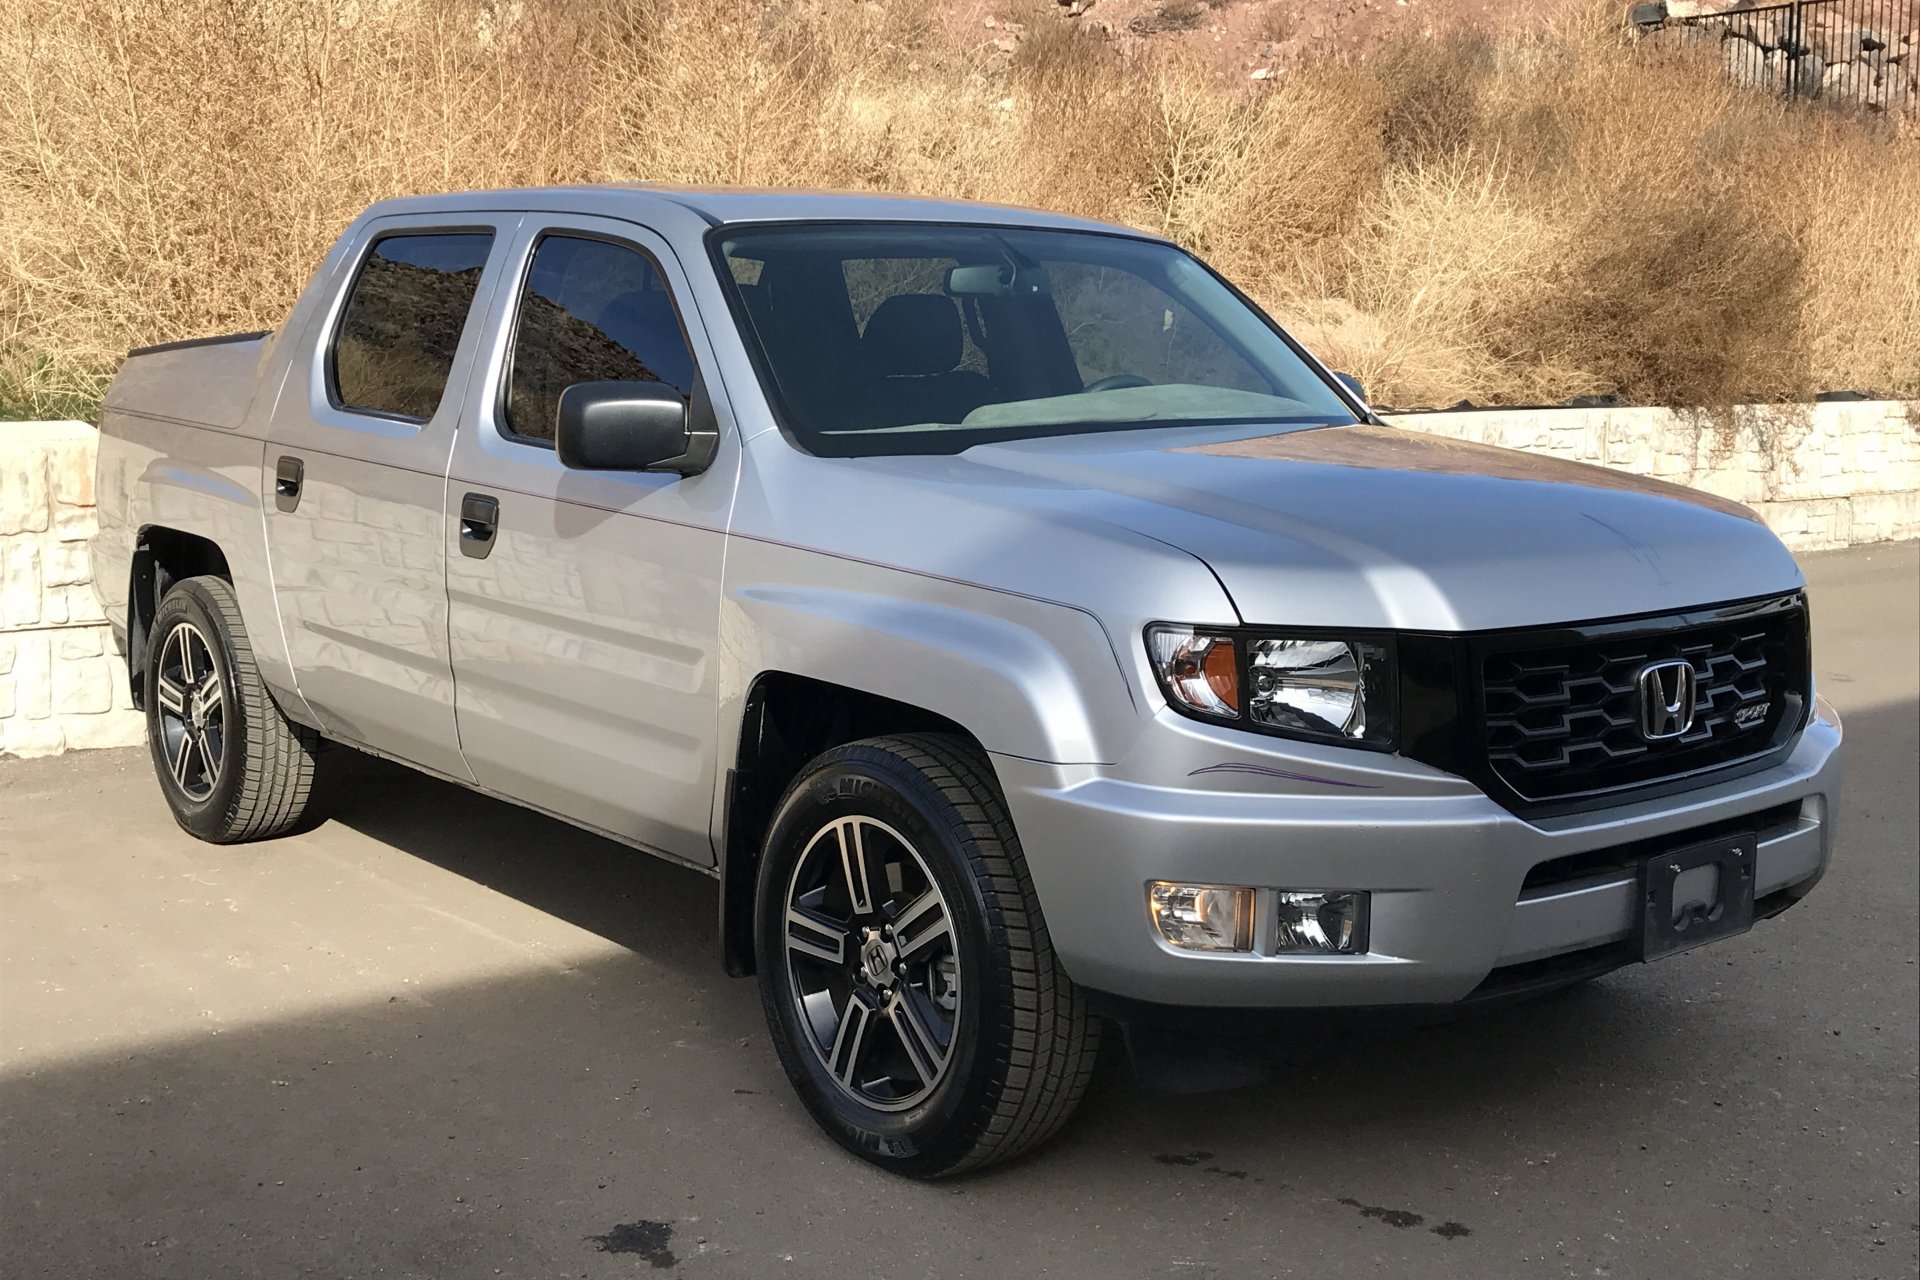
x,y
720,206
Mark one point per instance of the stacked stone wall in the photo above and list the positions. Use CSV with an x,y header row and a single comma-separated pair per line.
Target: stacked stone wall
x,y
1829,475
61,683
1822,476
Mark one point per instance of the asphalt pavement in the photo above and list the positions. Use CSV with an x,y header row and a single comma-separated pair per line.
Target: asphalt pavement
x,y
441,1036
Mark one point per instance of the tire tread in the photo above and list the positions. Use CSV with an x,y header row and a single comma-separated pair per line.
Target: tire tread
x,y
277,761
1048,1042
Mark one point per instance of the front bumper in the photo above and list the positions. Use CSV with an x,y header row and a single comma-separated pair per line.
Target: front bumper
x,y
1453,908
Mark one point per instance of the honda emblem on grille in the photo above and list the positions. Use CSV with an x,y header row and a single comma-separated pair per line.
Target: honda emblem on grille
x,y
1666,699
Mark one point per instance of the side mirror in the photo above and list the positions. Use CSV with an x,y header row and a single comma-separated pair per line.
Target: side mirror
x,y
1352,384
629,426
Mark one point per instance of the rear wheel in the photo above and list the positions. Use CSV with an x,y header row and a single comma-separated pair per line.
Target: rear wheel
x,y
231,766
904,965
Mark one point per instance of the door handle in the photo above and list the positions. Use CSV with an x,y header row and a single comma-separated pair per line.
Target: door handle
x,y
479,522
288,475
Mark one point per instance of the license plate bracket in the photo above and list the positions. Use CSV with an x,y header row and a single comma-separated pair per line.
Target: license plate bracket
x,y
1696,894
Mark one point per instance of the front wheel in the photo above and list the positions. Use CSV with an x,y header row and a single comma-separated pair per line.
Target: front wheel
x,y
905,968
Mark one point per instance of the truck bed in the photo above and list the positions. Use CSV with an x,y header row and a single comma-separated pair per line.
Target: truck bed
x,y
204,381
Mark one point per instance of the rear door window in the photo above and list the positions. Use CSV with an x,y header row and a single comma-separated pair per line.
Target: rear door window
x,y
393,351
591,311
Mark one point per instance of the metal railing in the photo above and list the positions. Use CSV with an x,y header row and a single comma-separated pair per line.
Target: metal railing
x,y
1862,54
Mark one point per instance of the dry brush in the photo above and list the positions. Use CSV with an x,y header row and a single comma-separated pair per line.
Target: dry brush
x,y
1513,219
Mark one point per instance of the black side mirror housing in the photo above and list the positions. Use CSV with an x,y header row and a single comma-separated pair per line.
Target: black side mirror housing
x,y
1352,384
633,426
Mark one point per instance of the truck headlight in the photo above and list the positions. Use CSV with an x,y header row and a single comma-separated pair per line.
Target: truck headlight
x,y
1335,689
1321,687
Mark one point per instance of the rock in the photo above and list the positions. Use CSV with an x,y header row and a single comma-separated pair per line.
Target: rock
x,y
1648,15
1804,75
1261,73
1758,28
1837,44
1846,84
1752,67
1856,84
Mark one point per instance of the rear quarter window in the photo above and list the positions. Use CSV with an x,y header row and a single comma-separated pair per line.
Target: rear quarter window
x,y
393,350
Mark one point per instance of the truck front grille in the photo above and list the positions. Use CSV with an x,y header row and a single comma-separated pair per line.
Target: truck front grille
x,y
1561,711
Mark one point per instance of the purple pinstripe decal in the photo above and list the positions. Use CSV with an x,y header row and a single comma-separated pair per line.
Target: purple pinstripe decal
x,y
1264,771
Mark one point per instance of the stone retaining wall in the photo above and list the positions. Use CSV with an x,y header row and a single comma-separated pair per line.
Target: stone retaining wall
x,y
1821,476
1831,476
61,684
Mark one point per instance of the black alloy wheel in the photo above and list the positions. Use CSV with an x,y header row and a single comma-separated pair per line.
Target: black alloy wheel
x,y
905,968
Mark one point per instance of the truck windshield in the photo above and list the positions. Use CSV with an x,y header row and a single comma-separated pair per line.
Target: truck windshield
x,y
904,338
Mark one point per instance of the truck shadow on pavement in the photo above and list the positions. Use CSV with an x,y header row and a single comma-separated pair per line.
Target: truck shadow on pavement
x,y
534,1120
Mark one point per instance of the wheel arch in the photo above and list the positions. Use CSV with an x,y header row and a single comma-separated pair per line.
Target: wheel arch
x,y
162,556
788,720
1004,673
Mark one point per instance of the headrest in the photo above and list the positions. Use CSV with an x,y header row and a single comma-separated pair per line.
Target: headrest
x,y
913,334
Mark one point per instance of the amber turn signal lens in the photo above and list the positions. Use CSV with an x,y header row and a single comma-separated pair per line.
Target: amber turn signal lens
x,y
1223,674
1201,672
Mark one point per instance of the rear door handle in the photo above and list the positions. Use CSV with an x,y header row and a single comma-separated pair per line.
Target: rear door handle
x,y
479,522
288,475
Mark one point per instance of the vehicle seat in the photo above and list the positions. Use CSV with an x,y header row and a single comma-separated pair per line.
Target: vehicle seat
x,y
912,347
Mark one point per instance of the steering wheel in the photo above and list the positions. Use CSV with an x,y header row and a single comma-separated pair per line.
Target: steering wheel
x,y
1119,382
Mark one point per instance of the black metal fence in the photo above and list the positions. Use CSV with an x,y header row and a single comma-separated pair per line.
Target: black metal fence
x,y
1863,54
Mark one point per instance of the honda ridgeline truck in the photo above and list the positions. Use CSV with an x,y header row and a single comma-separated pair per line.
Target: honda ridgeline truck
x,y
1027,634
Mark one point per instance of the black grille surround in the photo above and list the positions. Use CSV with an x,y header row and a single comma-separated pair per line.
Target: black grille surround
x,y
1547,720
1564,718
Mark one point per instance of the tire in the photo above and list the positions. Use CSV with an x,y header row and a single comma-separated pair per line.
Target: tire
x,y
981,1006
231,766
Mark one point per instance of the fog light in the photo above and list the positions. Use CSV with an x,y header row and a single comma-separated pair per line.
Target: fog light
x,y
1202,917
1328,923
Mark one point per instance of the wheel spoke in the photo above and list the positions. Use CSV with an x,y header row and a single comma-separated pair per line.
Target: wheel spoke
x,y
209,767
215,697
926,1053
853,865
186,655
181,754
850,1040
173,699
809,935
888,953
923,923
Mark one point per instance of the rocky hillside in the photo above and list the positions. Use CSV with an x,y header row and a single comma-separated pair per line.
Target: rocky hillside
x,y
1861,54
1262,38
1502,219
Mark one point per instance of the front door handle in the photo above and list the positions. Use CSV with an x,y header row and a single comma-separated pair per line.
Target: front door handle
x,y
479,522
288,475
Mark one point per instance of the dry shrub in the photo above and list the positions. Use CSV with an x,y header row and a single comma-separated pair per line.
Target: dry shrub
x,y
1260,183
1861,238
1515,219
177,168
1565,217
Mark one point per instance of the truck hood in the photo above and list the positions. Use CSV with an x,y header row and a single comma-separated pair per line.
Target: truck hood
x,y
1369,526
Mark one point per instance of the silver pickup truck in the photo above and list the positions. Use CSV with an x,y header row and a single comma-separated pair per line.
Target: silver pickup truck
x,y
1026,633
